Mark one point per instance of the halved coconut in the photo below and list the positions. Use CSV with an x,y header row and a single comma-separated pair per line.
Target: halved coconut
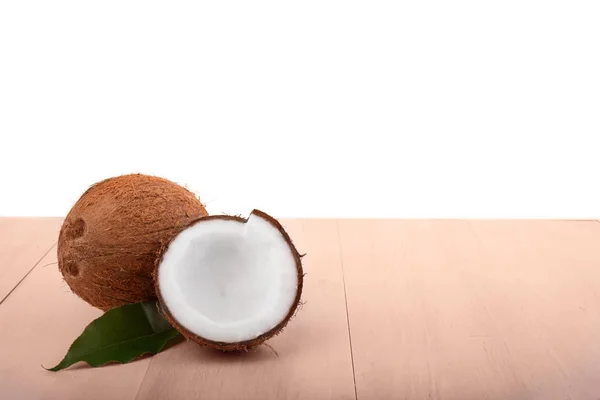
x,y
228,282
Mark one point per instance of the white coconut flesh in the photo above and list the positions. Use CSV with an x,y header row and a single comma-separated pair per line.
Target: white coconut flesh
x,y
229,281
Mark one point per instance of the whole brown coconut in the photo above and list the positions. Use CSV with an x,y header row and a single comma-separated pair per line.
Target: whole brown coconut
x,y
110,239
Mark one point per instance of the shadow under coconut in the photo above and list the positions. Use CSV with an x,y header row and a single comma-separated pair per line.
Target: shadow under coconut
x,y
260,354
82,365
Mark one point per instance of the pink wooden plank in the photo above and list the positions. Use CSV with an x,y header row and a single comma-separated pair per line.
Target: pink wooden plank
x,y
543,289
23,242
39,321
473,310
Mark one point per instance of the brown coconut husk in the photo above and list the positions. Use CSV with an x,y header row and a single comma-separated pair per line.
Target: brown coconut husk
x,y
109,241
244,345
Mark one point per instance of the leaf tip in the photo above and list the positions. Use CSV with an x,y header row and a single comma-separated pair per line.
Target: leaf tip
x,y
53,369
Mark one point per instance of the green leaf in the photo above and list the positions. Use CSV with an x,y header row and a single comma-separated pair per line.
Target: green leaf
x,y
121,335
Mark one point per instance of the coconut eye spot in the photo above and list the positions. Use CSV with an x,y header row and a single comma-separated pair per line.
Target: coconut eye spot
x,y
76,229
228,280
71,268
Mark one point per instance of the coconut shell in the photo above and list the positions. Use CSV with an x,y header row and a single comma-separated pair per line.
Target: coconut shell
x,y
249,344
109,241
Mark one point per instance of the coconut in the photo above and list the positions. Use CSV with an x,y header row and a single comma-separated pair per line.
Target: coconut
x,y
228,282
109,241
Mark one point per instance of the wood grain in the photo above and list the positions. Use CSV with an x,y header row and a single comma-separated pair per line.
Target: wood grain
x,y
23,242
543,289
437,310
314,352
39,321
474,310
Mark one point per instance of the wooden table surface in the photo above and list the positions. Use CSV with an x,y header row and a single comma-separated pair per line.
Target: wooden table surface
x,y
395,309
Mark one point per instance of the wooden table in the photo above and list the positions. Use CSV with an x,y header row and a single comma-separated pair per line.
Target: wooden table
x,y
395,309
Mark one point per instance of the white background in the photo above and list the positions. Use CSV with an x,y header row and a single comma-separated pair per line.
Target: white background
x,y
306,108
